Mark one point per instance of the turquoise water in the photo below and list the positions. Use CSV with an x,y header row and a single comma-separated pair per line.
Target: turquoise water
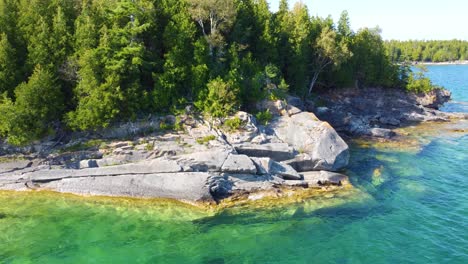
x,y
412,208
454,78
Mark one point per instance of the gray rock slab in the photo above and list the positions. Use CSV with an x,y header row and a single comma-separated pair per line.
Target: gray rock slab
x,y
239,164
188,186
269,166
248,182
263,164
324,178
275,151
14,165
145,167
284,171
204,161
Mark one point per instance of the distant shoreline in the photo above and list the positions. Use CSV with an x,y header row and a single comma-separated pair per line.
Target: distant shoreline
x,y
463,62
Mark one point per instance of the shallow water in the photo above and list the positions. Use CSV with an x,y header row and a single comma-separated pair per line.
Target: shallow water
x,y
411,207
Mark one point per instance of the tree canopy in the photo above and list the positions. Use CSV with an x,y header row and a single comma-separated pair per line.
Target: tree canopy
x,y
86,64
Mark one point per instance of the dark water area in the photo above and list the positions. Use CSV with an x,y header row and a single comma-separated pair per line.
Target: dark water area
x,y
410,207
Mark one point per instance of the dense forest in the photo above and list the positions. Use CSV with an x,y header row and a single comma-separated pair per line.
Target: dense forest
x,y
427,51
85,64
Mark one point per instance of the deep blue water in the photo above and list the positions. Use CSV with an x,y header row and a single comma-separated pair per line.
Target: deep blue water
x,y
412,207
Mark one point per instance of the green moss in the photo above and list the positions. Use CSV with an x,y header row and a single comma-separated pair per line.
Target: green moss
x,y
206,139
90,144
11,159
149,146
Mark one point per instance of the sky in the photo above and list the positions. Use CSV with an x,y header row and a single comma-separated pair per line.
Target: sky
x,y
398,19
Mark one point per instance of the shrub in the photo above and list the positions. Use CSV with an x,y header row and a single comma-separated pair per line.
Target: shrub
x,y
221,99
419,84
264,117
233,123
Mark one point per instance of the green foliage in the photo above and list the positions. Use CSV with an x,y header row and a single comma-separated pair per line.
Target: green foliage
x,y
166,126
221,99
8,74
418,83
233,124
205,140
427,51
264,117
371,64
115,61
38,104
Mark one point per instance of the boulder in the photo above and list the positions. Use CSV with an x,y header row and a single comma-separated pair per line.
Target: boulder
x,y
269,166
189,186
263,165
324,178
433,99
307,134
239,164
292,110
381,133
275,107
389,121
275,151
246,132
295,101
88,164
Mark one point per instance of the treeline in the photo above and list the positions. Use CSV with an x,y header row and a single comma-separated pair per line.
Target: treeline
x,y
427,51
84,64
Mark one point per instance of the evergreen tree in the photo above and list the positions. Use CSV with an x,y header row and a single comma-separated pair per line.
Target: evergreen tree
x,y
8,66
175,81
38,105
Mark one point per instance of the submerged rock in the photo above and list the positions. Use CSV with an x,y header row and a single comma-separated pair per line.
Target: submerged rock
x,y
324,178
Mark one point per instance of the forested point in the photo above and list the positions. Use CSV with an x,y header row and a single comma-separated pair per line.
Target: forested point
x,y
86,64
427,51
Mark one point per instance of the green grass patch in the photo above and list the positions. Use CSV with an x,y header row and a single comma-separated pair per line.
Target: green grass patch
x,y
90,144
205,140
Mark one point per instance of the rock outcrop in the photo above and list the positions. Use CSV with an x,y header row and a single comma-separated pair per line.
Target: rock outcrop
x,y
204,163
376,112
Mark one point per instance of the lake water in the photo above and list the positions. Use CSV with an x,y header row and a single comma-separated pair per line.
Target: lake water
x,y
412,207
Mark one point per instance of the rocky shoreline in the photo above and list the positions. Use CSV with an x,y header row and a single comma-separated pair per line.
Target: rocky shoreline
x,y
376,112
203,163
207,162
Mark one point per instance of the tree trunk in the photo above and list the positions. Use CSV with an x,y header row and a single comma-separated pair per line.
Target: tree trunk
x,y
312,83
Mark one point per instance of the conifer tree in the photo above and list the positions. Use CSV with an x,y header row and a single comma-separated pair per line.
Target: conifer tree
x,y
8,74
38,105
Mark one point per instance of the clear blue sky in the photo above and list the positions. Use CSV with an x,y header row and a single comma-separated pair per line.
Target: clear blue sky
x,y
398,19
